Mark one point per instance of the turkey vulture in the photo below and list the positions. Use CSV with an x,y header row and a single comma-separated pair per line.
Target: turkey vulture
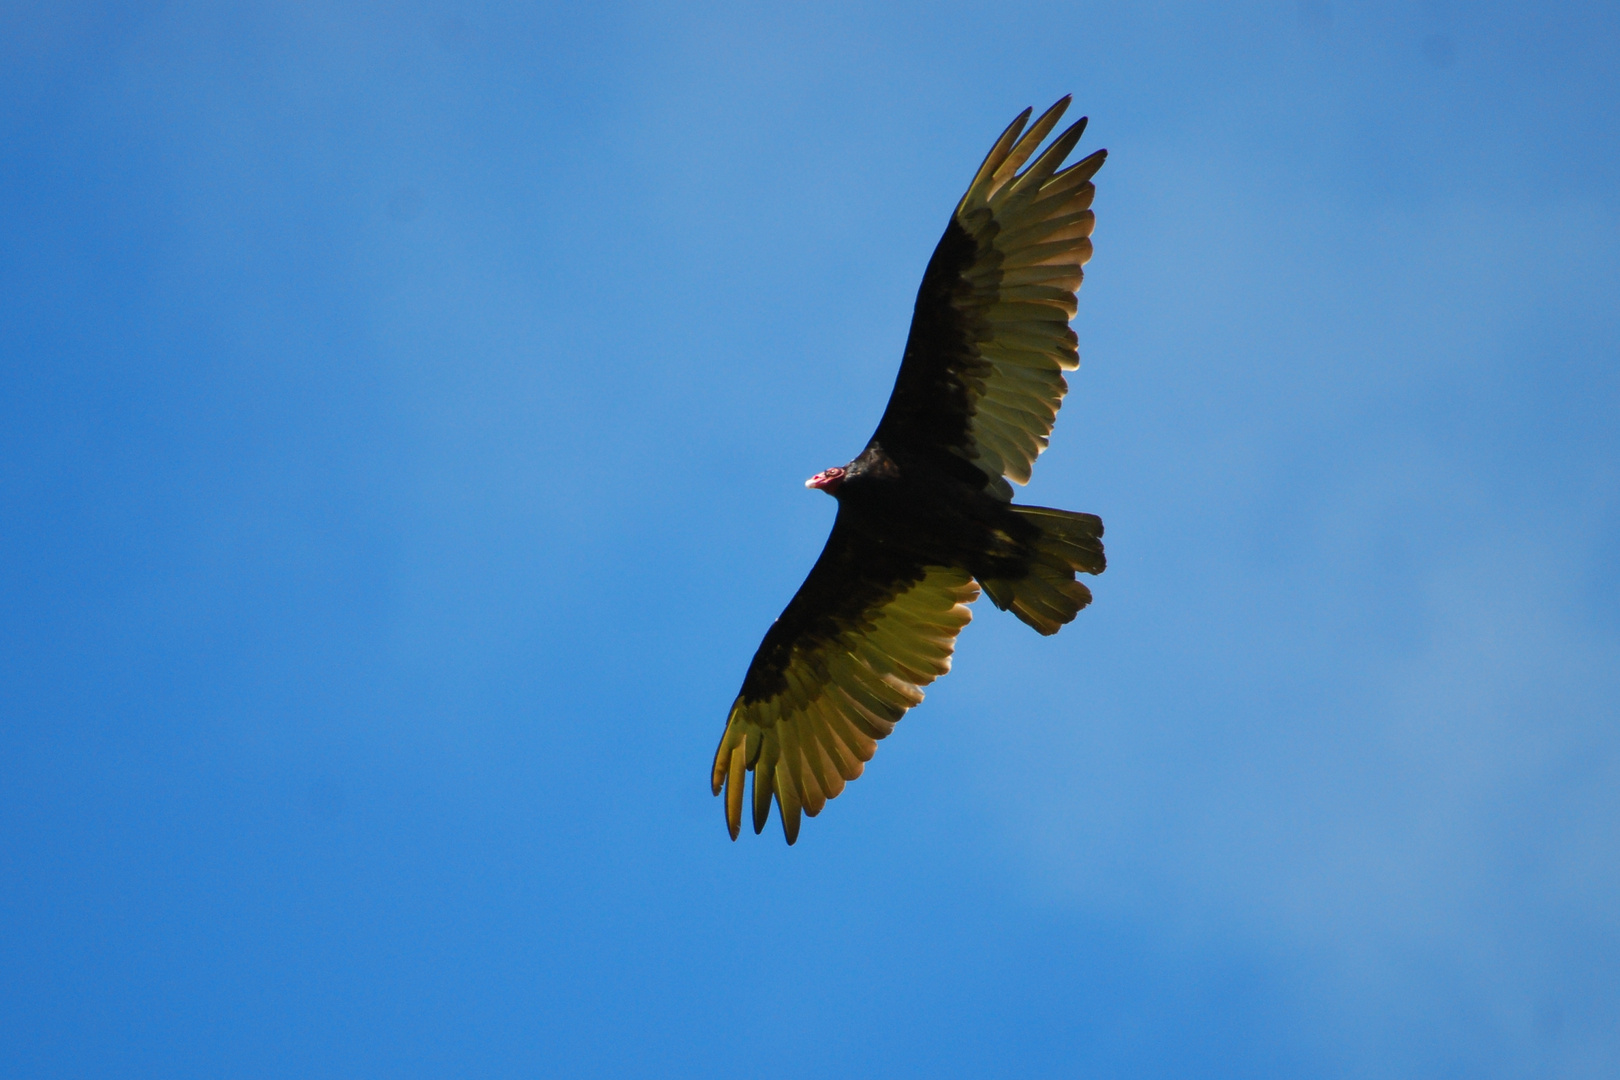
x,y
925,513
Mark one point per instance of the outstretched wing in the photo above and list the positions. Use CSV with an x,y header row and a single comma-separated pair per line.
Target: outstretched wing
x,y
848,656
982,377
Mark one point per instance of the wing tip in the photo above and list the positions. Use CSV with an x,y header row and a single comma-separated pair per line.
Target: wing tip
x,y
734,788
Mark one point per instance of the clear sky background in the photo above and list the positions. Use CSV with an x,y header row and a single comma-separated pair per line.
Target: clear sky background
x,y
403,414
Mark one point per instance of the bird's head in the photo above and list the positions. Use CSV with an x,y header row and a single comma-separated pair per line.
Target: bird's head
x,y
827,480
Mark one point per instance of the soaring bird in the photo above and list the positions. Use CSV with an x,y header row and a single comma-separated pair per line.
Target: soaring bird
x,y
925,513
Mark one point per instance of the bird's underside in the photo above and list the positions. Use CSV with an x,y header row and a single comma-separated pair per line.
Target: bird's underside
x,y
925,518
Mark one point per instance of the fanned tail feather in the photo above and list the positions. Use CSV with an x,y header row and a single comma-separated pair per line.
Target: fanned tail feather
x,y
1048,597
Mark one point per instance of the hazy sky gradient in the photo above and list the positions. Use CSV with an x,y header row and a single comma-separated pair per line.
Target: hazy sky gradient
x,y
402,423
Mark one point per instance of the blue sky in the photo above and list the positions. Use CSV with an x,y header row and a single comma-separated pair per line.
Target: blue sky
x,y
403,413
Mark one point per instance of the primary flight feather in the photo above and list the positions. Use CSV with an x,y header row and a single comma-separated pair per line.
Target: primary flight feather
x,y
925,513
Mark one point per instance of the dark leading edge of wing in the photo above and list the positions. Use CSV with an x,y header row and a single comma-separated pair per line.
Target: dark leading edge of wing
x,y
982,374
851,578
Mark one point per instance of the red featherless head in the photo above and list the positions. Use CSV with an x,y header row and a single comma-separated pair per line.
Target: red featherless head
x,y
827,480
